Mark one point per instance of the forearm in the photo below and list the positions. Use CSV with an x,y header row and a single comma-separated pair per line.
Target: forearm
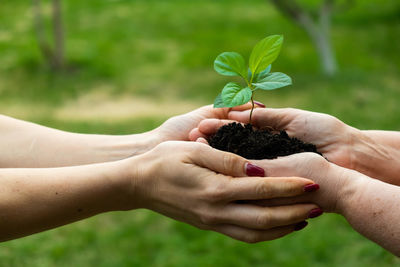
x,y
34,200
372,208
28,145
377,154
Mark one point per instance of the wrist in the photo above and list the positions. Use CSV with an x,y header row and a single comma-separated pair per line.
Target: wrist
x,y
352,143
352,184
133,181
125,146
367,154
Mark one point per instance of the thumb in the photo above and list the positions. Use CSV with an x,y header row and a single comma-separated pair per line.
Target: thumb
x,y
272,117
224,162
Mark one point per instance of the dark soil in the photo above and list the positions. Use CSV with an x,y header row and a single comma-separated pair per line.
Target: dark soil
x,y
257,144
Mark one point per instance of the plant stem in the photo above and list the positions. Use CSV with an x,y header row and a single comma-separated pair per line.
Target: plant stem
x,y
252,95
252,108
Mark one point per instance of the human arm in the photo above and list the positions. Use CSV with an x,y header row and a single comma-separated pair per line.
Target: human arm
x,y
25,144
377,154
372,207
29,145
184,185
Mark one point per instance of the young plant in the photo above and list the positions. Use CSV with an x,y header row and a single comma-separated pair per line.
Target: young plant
x,y
256,76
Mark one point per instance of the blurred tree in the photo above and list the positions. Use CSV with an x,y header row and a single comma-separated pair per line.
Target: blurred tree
x,y
317,24
53,55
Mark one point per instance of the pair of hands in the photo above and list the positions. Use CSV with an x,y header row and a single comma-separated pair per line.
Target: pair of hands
x,y
333,138
194,183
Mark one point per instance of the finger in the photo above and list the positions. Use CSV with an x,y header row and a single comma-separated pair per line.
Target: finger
x,y
267,188
306,164
282,201
219,161
202,140
259,104
252,235
248,105
275,118
195,134
211,126
257,217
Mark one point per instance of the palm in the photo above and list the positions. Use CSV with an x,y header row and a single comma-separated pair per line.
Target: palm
x,y
325,131
178,127
330,135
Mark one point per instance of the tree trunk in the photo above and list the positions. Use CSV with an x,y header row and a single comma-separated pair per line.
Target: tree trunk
x,y
326,54
53,55
318,32
58,34
324,43
44,45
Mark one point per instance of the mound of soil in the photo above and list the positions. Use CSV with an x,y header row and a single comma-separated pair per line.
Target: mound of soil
x,y
257,144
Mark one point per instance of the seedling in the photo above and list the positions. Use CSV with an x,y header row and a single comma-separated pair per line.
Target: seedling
x,y
256,76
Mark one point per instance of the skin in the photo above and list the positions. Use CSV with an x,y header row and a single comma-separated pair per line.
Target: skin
x,y
185,187
373,153
29,145
352,193
195,184
357,197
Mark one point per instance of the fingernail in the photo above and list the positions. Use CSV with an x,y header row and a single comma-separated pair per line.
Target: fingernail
x,y
253,170
300,225
315,213
311,187
258,103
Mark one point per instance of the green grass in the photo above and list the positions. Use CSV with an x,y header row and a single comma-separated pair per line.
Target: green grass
x,y
165,49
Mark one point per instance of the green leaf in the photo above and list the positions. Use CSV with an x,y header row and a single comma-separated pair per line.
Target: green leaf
x,y
261,75
218,103
265,52
273,81
230,64
248,74
234,95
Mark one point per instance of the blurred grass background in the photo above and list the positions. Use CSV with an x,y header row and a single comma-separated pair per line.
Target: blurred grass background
x,y
132,64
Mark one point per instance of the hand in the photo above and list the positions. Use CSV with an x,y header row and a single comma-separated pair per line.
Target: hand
x,y
334,180
332,137
185,181
178,128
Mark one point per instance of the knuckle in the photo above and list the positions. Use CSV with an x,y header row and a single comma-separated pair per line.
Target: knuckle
x,y
216,192
264,220
252,238
198,148
263,189
316,160
208,219
229,162
204,227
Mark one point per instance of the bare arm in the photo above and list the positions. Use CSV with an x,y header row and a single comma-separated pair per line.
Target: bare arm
x,y
374,210
25,144
34,200
184,185
377,154
372,207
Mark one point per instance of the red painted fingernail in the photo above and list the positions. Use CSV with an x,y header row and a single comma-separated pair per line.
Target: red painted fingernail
x,y
300,225
258,103
253,170
315,213
311,187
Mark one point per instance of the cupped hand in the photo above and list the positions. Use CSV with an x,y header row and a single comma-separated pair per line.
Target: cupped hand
x,y
333,179
332,137
196,184
177,128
